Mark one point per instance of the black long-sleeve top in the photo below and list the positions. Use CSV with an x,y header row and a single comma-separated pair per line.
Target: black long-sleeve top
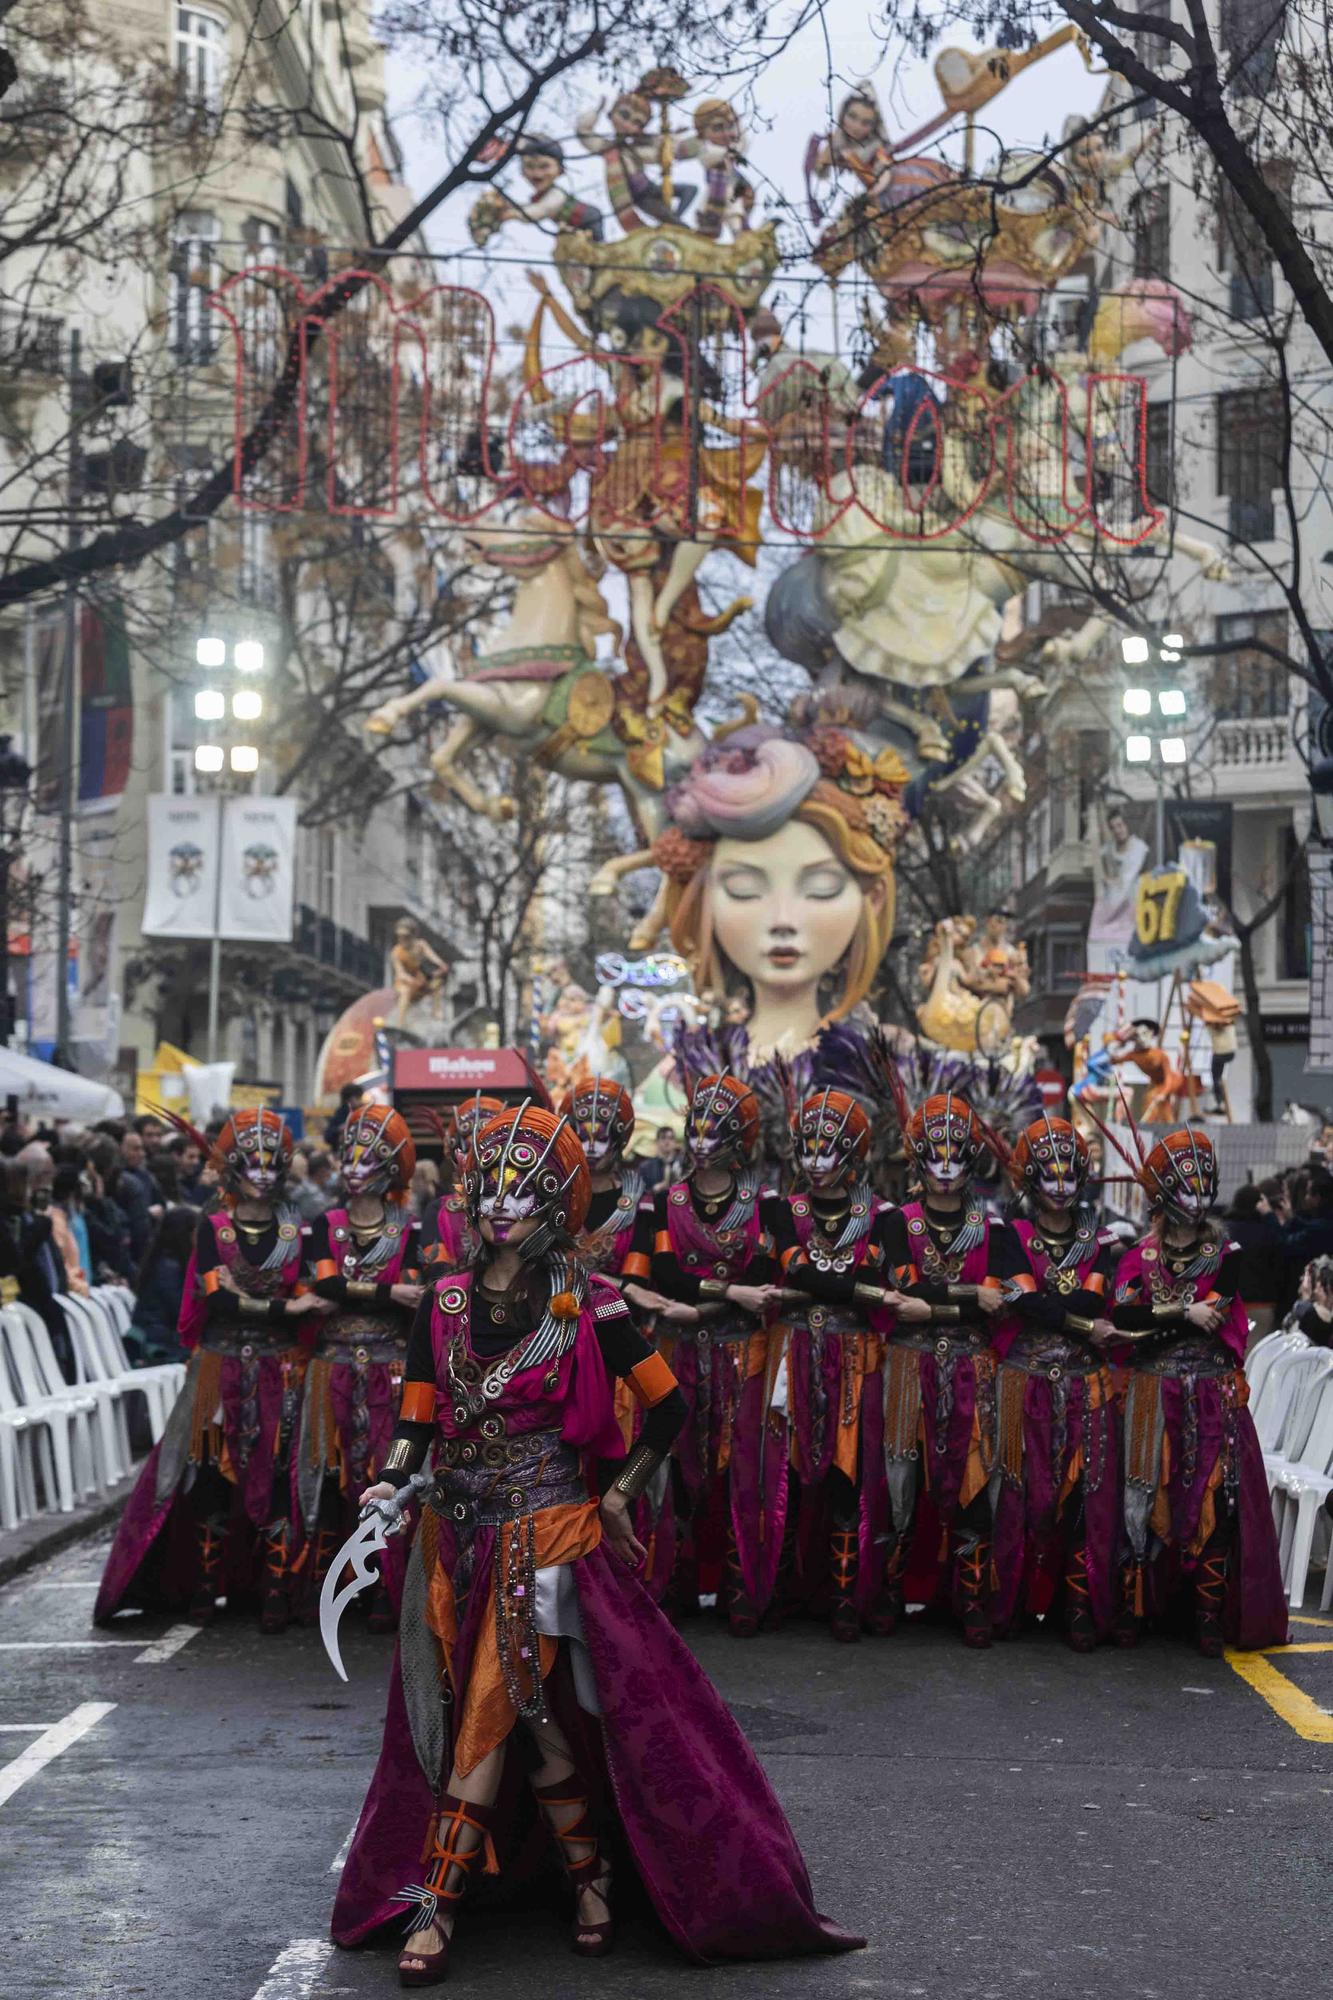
x,y
224,1307
329,1282
624,1350
896,1269
1061,1312
793,1261
1142,1316
653,1262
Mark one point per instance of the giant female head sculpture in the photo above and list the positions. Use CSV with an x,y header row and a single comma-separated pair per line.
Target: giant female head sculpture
x,y
780,864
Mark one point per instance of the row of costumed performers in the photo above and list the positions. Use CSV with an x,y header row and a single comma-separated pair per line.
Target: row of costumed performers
x,y
933,1402
880,1404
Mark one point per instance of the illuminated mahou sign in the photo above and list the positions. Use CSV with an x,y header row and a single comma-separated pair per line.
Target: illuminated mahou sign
x,y
390,407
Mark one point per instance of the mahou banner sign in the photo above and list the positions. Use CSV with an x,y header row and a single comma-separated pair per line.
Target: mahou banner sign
x,y
221,867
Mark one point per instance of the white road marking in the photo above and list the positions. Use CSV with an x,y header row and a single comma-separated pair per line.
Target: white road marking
x,y
64,1645
339,1860
12,1727
50,1745
171,1642
71,1583
294,1971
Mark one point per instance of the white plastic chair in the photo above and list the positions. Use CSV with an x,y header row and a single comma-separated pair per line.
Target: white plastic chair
x,y
1303,1484
159,1384
112,1426
1260,1359
66,1412
117,1307
18,1488
1271,1408
119,1303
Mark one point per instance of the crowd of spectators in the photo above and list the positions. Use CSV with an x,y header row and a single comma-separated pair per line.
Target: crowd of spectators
x,y
118,1204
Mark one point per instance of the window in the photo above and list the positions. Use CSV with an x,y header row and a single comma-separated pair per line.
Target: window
x,y
329,853
295,205
1150,216
1293,950
1242,249
1248,685
201,58
1157,453
1249,460
414,846
1251,32
256,581
195,273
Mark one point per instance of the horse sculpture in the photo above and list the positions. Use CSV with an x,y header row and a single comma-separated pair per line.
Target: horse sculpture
x,y
545,693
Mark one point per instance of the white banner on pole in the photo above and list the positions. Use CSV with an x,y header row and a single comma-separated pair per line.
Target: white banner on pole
x,y
256,894
181,898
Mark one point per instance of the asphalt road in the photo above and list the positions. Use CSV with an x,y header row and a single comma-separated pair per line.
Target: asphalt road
x,y
1129,1827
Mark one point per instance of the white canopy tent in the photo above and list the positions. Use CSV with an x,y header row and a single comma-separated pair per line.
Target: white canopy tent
x,y
43,1091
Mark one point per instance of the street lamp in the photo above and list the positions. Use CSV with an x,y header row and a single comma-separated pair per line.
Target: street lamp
x,y
15,772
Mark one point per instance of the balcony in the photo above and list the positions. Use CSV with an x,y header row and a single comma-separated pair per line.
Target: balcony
x,y
1255,743
330,944
31,343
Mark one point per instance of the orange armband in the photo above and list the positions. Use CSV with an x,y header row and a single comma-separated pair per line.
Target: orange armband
x,y
652,1381
418,1404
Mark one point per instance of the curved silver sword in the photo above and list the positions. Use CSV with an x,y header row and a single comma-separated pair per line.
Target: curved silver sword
x,y
379,1520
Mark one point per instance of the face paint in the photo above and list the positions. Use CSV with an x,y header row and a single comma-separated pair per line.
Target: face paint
x,y
722,1124
945,1142
832,1139
1051,1162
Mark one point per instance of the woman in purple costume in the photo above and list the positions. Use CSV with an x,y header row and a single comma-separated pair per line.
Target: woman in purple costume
x,y
1057,1508
526,1641
365,1259
1196,1496
701,1260
212,1510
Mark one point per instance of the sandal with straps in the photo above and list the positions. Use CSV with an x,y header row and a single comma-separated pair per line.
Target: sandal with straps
x,y
585,1871
430,1968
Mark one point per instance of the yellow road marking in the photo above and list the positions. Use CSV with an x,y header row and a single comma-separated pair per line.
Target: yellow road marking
x,y
1296,1619
1288,1702
1303,1646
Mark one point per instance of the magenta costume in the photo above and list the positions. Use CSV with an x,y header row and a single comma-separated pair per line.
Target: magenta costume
x,y
455,1241
353,1381
1196,1495
213,1502
513,1602
835,1352
733,1454
1057,1508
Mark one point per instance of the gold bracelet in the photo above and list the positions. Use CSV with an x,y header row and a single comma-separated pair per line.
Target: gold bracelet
x,y
713,1288
1079,1324
255,1308
1173,1311
945,1315
402,1456
873,1295
362,1288
637,1470
961,1295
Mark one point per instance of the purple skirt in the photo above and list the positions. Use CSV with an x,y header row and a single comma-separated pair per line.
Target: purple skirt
x,y
709,1840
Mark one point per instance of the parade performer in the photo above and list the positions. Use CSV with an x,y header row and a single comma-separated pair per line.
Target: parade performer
x,y
365,1259
452,1244
822,1234
944,1265
1196,1496
1057,1509
601,1113
524,1630
701,1261
212,1508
